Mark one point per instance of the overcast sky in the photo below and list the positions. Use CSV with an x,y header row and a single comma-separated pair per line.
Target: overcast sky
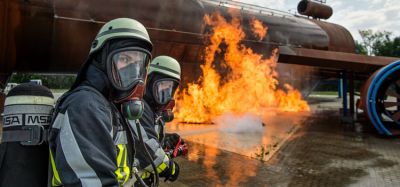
x,y
352,14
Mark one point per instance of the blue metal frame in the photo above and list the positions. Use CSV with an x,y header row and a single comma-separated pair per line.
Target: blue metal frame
x,y
372,94
340,84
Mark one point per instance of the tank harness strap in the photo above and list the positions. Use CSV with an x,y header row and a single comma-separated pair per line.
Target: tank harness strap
x,y
27,135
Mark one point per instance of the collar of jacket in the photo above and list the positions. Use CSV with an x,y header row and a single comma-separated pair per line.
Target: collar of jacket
x,y
98,80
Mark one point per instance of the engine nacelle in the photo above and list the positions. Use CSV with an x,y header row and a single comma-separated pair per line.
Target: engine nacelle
x,y
380,99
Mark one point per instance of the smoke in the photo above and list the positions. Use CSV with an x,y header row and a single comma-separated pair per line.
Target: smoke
x,y
298,76
246,123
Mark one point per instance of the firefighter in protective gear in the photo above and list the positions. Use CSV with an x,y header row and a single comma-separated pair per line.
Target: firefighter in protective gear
x,y
163,80
91,142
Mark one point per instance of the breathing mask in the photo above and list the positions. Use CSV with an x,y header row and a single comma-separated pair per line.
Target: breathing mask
x,y
127,70
163,94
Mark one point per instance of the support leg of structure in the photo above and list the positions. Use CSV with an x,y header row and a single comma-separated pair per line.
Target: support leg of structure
x,y
351,93
398,99
340,85
344,93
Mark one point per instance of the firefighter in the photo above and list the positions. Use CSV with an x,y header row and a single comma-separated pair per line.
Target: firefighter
x,y
91,141
163,80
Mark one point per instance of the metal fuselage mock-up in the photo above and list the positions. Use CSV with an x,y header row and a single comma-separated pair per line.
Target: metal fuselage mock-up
x,y
56,35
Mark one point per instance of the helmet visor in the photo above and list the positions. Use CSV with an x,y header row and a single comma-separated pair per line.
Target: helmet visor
x,y
129,66
164,90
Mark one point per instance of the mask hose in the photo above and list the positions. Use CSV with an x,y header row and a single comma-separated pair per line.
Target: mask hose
x,y
147,153
140,179
134,169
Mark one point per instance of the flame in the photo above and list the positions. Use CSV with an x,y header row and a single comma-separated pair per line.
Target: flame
x,y
258,28
291,101
249,83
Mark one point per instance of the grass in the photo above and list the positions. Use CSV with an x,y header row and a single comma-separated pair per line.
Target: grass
x,y
324,93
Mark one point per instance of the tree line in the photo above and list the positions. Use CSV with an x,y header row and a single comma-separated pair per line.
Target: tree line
x,y
379,43
53,81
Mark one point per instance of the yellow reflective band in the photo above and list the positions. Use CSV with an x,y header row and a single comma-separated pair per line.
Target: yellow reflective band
x,y
55,181
173,168
126,167
161,167
146,175
123,170
118,171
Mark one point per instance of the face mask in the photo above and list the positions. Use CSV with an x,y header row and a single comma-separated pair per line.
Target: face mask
x,y
127,72
164,90
133,107
163,93
130,72
128,66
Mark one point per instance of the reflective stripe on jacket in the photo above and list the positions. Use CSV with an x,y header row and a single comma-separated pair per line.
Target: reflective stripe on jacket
x,y
152,142
87,147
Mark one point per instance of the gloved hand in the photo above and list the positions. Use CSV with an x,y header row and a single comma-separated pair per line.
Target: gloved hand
x,y
174,146
171,140
171,173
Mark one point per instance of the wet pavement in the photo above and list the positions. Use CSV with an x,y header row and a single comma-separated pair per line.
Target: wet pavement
x,y
313,149
247,135
321,152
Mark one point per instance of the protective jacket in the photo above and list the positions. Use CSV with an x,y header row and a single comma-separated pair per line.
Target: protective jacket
x,y
89,139
152,139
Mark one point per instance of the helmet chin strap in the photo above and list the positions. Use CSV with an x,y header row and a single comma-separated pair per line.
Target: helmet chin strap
x,y
132,107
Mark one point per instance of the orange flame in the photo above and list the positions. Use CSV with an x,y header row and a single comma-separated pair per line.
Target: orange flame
x,y
258,29
250,84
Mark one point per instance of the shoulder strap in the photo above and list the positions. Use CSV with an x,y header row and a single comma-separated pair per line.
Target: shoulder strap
x,y
29,135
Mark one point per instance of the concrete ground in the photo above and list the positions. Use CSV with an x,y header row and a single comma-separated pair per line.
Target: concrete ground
x,y
321,152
